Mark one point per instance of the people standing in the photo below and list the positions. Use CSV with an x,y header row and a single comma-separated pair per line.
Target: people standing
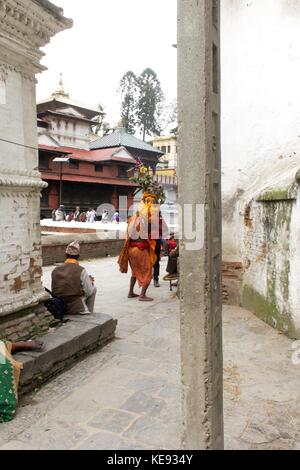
x,y
161,233
116,217
72,283
92,216
156,267
104,218
88,215
82,217
60,214
77,214
143,231
140,254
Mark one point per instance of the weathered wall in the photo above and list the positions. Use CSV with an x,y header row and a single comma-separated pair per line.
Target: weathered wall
x,y
271,259
260,97
54,248
24,27
69,134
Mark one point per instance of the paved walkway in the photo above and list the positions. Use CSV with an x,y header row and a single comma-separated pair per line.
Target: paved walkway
x,y
127,396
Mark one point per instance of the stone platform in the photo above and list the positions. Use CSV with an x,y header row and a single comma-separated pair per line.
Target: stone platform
x,y
68,343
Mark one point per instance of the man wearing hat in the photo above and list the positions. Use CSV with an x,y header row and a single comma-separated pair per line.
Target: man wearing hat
x,y
72,283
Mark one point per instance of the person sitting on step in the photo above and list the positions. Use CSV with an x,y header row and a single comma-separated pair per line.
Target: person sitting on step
x,y
72,283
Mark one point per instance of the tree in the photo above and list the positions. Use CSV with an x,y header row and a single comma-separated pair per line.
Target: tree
x,y
169,116
149,103
128,91
101,127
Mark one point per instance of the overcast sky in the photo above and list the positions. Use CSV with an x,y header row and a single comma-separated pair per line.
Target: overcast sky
x,y
110,37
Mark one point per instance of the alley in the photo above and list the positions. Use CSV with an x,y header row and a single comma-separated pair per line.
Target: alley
x,y
127,396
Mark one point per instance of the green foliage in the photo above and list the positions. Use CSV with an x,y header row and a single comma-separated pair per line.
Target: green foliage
x,y
144,177
142,104
128,90
101,126
149,103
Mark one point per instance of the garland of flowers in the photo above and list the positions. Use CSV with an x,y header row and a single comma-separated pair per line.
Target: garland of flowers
x,y
145,179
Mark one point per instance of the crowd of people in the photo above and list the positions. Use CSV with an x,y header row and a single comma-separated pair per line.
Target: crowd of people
x,y
89,216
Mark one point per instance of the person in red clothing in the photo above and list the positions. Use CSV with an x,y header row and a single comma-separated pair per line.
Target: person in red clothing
x,y
172,266
171,243
142,246
139,252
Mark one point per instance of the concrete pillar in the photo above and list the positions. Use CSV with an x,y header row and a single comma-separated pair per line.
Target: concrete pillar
x,y
199,183
25,27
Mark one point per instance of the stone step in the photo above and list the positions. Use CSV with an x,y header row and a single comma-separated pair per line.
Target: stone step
x,y
76,338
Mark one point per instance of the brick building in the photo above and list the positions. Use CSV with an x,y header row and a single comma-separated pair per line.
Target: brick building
x,y
89,179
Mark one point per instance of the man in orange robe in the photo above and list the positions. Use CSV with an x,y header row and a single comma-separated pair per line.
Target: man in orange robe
x,y
141,257
139,249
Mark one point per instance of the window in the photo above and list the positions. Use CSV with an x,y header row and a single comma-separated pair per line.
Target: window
x,y
73,164
169,148
43,162
99,167
164,149
123,172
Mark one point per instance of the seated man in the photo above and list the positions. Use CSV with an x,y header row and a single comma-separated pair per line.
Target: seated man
x,y
172,266
72,283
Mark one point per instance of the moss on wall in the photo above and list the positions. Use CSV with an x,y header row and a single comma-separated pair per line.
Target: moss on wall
x,y
268,311
278,194
272,305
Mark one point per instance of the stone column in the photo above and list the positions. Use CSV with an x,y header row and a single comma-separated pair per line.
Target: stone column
x,y
199,184
25,27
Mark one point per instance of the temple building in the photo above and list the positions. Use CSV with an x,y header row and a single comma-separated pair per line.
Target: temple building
x,y
137,148
94,174
69,122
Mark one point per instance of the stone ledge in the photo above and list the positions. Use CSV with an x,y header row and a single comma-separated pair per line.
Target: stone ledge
x,y
78,337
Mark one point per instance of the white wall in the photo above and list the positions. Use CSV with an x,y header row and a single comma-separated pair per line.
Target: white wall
x,y
260,95
69,133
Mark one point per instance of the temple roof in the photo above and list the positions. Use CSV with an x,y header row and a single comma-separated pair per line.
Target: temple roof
x,y
111,155
60,99
120,138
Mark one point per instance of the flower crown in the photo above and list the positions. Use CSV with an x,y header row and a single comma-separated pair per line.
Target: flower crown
x,y
144,177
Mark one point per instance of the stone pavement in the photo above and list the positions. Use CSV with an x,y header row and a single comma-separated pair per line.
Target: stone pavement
x,y
127,396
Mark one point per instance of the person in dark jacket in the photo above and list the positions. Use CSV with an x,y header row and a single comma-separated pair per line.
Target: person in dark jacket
x,y
72,283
